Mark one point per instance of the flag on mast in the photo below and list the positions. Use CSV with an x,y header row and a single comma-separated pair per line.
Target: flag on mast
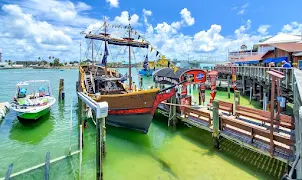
x,y
104,60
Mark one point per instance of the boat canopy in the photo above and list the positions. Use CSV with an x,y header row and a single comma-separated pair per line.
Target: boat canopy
x,y
275,60
168,76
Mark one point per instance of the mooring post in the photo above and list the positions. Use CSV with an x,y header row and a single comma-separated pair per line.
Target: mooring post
x,y
47,166
251,94
104,136
61,90
264,101
70,127
272,115
216,123
236,100
243,85
229,87
98,149
9,171
174,119
81,149
172,111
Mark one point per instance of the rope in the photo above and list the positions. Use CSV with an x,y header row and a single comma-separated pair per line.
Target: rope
x,y
179,105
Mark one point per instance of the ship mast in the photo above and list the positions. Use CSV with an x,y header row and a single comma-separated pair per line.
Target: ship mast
x,y
130,76
92,54
105,24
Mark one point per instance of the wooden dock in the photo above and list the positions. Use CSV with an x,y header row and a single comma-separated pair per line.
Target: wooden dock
x,y
247,132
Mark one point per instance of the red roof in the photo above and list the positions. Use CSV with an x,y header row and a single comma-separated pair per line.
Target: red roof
x,y
289,47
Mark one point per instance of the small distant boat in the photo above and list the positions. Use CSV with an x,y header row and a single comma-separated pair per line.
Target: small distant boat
x,y
33,104
146,71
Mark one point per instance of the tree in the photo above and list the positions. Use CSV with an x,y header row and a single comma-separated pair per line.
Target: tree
x,y
56,62
39,58
50,64
9,62
65,63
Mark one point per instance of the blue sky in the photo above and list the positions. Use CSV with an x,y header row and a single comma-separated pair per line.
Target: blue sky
x,y
34,28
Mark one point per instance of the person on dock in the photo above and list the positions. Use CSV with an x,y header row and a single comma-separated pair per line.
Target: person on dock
x,y
286,64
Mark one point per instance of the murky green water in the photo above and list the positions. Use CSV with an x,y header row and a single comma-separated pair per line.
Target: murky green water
x,y
163,153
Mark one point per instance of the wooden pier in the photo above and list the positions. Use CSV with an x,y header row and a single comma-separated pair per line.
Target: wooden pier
x,y
241,127
257,79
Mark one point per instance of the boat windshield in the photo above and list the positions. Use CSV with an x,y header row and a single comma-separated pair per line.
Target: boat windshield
x,y
33,90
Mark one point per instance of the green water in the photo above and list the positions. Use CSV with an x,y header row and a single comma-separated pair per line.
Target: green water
x,y
163,153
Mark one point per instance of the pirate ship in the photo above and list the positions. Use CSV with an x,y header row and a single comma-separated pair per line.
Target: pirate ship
x,y
128,108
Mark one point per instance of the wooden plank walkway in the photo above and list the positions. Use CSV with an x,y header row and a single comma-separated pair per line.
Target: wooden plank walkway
x,y
257,143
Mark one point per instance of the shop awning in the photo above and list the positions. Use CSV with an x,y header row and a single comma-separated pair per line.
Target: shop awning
x,y
248,62
275,60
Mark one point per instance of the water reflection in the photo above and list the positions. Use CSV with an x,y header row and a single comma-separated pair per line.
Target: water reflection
x,y
31,132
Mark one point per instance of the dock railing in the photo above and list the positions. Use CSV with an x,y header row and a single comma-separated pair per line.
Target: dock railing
x,y
259,73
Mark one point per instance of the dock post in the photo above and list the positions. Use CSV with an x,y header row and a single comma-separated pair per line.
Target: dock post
x,y
272,116
98,149
47,166
81,148
104,137
70,128
251,94
61,90
9,171
229,87
236,99
243,85
172,114
216,123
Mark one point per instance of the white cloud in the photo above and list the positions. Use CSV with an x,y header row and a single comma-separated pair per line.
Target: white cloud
x,y
263,29
186,15
113,3
23,25
292,28
241,12
241,9
147,12
83,7
123,19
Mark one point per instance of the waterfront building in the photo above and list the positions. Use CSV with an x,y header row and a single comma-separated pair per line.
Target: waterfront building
x,y
275,49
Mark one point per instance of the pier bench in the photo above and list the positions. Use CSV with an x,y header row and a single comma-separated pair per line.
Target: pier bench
x,y
224,106
256,133
264,116
206,116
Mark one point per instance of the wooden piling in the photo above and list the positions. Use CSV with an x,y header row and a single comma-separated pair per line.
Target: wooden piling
x,y
229,87
104,136
251,94
9,171
70,128
172,113
272,115
216,123
98,144
61,90
243,85
236,100
81,149
47,166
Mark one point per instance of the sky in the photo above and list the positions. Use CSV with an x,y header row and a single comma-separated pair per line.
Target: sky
x,y
190,29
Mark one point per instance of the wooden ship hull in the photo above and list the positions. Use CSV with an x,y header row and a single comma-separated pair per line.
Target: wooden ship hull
x,y
132,110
